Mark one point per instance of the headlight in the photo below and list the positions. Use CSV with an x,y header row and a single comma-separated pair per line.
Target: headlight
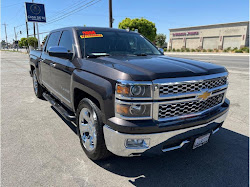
x,y
133,110
130,90
137,90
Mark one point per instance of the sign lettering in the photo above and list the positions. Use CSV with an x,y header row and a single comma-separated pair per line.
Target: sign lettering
x,y
185,33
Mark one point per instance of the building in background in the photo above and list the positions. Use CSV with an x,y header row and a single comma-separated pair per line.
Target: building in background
x,y
218,36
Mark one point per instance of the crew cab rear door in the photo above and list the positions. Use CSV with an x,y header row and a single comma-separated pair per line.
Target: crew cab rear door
x,y
47,61
62,69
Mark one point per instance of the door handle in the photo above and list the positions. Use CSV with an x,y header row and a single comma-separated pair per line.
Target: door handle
x,y
52,65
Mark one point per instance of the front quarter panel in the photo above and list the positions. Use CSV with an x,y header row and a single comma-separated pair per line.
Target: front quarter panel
x,y
98,87
34,61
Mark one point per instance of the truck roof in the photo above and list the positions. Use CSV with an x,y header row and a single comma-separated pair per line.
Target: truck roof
x,y
90,28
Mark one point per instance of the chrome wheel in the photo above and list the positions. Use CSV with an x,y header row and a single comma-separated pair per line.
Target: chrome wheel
x,y
87,128
35,83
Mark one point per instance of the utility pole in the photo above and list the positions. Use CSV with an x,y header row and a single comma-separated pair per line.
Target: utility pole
x,y
110,14
34,27
6,35
27,29
16,44
38,38
26,20
15,33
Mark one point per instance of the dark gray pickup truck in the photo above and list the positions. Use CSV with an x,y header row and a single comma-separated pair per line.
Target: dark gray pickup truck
x,y
124,95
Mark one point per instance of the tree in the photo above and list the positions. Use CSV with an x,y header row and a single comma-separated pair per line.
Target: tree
x,y
32,41
23,42
3,43
160,40
45,38
145,27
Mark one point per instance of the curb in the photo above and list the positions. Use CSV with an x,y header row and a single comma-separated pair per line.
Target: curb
x,y
199,53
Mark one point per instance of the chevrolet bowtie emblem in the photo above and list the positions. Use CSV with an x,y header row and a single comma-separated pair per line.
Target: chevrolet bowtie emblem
x,y
204,96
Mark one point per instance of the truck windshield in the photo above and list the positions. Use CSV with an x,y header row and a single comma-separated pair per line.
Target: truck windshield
x,y
105,43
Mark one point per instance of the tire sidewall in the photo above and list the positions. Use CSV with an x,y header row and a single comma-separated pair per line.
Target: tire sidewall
x,y
40,90
86,103
34,73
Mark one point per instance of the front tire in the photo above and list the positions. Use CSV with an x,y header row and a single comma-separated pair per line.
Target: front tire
x,y
90,130
38,89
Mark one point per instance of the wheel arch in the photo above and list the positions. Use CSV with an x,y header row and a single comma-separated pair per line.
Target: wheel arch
x,y
80,94
93,87
32,68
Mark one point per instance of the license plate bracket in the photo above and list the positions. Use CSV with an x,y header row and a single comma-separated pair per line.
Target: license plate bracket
x,y
201,140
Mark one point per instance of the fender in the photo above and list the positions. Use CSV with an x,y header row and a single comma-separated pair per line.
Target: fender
x,y
96,86
34,61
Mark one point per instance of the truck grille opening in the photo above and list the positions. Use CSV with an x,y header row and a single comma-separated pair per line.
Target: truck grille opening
x,y
186,87
190,107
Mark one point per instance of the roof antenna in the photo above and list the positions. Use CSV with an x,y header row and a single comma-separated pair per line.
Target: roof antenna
x,y
84,46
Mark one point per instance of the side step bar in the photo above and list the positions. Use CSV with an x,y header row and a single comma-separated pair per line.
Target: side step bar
x,y
59,108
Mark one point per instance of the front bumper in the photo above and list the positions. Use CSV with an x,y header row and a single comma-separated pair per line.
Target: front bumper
x,y
159,142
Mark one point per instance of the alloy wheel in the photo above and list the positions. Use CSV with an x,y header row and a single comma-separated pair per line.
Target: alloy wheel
x,y
87,128
35,83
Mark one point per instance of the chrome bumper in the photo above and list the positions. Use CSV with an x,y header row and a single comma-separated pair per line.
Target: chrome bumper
x,y
115,141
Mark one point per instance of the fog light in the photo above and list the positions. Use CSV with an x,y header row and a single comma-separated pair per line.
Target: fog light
x,y
137,143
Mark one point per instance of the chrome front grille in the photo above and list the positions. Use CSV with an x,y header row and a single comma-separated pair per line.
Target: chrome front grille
x,y
180,97
190,107
191,86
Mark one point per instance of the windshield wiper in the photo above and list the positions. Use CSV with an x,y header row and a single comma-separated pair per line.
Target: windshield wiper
x,y
96,55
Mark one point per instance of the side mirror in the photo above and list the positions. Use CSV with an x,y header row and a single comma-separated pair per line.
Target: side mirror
x,y
161,50
60,52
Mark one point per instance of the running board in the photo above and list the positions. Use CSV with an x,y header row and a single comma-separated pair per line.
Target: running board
x,y
59,108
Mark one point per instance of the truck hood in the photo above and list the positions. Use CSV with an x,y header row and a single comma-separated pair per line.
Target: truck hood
x,y
158,66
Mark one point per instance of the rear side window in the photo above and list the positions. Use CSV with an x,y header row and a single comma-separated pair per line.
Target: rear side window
x,y
66,41
53,40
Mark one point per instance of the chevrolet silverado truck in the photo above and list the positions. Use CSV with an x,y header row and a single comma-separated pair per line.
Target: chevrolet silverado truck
x,y
124,95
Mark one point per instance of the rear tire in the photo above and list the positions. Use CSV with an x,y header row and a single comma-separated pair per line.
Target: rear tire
x,y
38,89
90,130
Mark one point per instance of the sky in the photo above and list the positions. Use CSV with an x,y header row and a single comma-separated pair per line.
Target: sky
x,y
165,14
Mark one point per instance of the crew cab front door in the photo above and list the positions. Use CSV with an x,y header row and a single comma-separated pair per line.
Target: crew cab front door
x,y
62,70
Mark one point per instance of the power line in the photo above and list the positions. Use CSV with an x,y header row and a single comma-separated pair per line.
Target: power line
x,y
74,11
16,15
86,5
68,8
71,12
11,5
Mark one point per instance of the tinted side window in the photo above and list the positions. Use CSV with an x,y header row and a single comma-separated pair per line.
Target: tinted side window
x,y
53,40
66,41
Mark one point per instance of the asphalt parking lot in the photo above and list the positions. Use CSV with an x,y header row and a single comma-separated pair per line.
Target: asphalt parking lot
x,y
39,148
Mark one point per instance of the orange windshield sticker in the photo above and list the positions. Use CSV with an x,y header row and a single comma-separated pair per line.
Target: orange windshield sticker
x,y
90,34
